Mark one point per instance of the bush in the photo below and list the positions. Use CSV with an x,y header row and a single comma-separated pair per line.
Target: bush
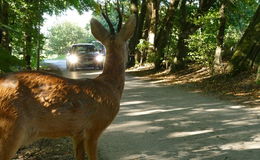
x,y
8,62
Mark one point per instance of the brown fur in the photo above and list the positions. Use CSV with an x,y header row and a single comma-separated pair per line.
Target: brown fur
x,y
37,104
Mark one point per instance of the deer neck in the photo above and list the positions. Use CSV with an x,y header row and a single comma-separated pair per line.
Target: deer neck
x,y
114,68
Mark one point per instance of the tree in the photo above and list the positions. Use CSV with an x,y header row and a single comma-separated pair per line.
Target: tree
x,y
140,18
234,14
163,36
247,51
220,35
4,29
20,22
62,36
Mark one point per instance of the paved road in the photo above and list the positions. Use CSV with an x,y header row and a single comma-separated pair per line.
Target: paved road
x,y
158,122
169,123
60,63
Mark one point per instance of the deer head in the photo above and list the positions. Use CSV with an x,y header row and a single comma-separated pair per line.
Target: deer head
x,y
116,46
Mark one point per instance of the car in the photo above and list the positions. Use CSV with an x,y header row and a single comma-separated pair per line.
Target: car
x,y
84,55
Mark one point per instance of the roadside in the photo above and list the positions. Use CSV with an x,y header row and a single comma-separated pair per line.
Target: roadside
x,y
241,88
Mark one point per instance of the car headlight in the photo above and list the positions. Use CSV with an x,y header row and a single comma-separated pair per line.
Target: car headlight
x,y
72,58
99,58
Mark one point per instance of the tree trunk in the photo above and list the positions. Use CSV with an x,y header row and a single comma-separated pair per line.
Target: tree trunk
x,y
220,37
39,37
4,33
28,51
28,42
258,75
152,32
154,18
165,32
247,52
182,49
140,18
149,28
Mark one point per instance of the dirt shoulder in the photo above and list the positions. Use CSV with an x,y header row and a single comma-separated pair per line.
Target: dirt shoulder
x,y
241,88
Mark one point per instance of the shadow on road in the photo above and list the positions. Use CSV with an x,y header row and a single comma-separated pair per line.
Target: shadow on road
x,y
168,123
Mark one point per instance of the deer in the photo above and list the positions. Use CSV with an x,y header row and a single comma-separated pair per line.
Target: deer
x,y
36,104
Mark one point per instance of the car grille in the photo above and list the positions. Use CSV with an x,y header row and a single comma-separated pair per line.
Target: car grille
x,y
87,58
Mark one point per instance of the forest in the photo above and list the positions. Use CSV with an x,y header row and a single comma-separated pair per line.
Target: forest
x,y
198,96
222,35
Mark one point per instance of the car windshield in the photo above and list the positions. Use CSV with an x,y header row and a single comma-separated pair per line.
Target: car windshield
x,y
90,49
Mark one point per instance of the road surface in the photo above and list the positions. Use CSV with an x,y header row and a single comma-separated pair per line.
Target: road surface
x,y
169,123
158,122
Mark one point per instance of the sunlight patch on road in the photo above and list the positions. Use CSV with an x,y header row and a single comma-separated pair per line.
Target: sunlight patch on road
x,y
241,146
140,113
135,127
132,103
242,122
216,110
254,143
192,133
161,155
160,81
236,107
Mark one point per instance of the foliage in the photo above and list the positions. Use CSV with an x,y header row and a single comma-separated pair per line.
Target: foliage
x,y
62,36
20,22
193,28
89,36
143,45
202,48
246,54
202,44
112,9
8,62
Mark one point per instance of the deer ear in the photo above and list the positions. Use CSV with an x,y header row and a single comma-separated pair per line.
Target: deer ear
x,y
98,31
128,29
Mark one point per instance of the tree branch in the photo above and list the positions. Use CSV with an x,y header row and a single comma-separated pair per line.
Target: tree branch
x,y
104,13
120,16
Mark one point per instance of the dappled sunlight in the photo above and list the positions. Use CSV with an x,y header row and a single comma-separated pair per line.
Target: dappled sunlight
x,y
241,146
133,82
132,103
135,127
236,107
160,81
241,122
191,133
254,143
169,123
216,110
184,122
187,125
148,156
151,112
